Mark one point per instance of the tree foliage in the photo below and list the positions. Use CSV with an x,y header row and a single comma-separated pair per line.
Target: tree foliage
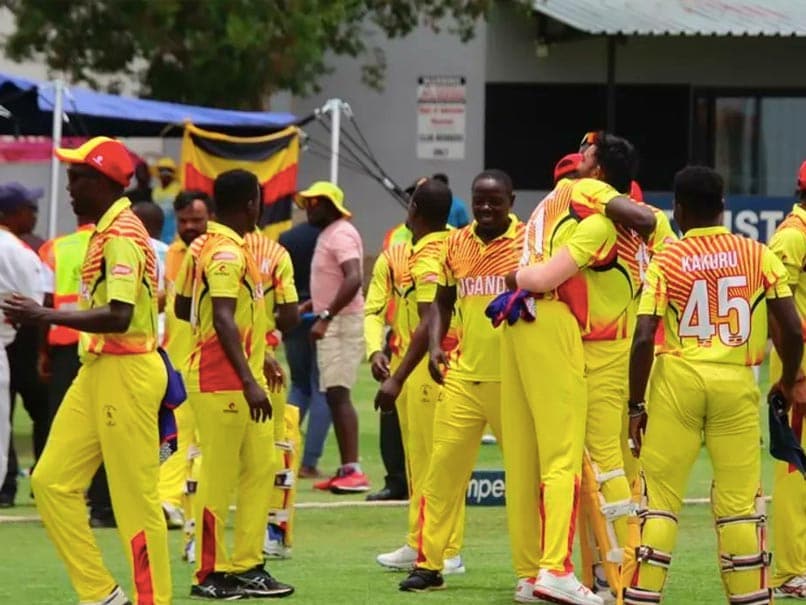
x,y
224,53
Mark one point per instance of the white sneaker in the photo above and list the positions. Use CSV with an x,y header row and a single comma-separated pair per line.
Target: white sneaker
x,y
488,439
402,559
524,591
116,597
793,588
273,546
454,565
600,586
564,589
174,517
189,552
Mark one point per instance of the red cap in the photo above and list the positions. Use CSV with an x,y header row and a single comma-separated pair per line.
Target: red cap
x,y
635,191
567,165
107,156
802,176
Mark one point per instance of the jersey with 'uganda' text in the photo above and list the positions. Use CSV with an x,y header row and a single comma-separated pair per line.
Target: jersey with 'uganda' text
x,y
789,244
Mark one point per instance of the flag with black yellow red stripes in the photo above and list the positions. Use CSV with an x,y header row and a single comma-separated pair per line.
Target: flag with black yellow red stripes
x,y
273,158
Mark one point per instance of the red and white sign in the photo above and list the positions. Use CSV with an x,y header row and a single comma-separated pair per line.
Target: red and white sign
x,y
441,106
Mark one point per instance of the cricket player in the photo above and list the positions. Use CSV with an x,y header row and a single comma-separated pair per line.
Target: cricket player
x,y
476,260
713,291
789,490
110,411
219,289
417,282
280,299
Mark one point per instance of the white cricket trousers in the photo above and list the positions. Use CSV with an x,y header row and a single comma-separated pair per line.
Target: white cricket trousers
x,y
5,410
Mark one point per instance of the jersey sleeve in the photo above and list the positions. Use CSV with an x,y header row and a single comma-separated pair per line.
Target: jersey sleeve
x,y
789,245
663,234
285,290
592,241
125,265
379,294
446,276
776,275
183,284
425,275
591,196
655,295
223,269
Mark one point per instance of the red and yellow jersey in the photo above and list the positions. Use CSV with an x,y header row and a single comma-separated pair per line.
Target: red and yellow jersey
x,y
789,244
477,270
710,289
219,265
120,265
277,275
178,338
387,286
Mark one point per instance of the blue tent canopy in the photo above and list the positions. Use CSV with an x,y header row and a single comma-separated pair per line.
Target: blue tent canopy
x,y
30,104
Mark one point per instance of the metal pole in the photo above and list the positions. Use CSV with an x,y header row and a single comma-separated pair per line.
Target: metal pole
x,y
58,98
335,135
611,83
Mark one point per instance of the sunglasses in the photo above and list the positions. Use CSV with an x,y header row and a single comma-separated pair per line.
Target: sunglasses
x,y
590,138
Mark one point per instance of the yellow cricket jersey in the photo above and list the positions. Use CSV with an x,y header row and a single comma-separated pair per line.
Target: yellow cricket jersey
x,y
477,270
789,244
376,303
120,265
710,289
178,338
220,266
276,274
393,276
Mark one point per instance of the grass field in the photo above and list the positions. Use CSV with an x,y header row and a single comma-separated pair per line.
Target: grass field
x,y
334,556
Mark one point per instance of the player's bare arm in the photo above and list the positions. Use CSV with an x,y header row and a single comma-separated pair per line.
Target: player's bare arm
x,y
639,217
182,306
788,342
547,276
351,269
641,357
112,318
439,321
287,316
227,332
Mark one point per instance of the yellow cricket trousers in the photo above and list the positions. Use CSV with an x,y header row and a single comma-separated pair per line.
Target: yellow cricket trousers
x,y
543,406
238,458
788,503
110,414
685,400
462,413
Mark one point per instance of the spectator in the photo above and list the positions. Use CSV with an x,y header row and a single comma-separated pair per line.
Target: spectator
x,y
153,220
141,192
19,272
300,352
458,216
336,277
164,195
18,215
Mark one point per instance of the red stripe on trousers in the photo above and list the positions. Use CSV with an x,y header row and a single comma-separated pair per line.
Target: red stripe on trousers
x,y
569,564
542,512
421,524
208,546
142,570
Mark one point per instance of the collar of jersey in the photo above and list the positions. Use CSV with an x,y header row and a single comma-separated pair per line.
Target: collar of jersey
x,y
112,213
701,231
800,211
510,233
434,236
214,227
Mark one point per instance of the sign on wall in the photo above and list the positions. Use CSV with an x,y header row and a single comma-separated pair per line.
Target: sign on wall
x,y
486,488
441,105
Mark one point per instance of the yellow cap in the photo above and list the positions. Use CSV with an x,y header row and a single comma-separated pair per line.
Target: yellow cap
x,y
166,163
324,189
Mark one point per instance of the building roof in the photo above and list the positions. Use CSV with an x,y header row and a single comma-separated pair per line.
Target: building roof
x,y
680,17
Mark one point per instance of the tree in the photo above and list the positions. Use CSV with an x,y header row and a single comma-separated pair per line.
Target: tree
x,y
223,53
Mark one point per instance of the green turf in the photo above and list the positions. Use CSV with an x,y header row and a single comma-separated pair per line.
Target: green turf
x,y
334,557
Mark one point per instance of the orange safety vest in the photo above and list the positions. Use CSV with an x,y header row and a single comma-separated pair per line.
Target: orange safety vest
x,y
65,255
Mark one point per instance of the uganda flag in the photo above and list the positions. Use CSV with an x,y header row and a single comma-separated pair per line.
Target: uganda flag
x,y
273,158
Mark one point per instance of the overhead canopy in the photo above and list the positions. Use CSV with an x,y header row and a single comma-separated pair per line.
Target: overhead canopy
x,y
679,17
31,103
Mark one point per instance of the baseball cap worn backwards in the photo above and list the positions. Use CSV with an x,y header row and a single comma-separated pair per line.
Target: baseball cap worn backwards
x,y
15,195
802,176
567,164
107,156
327,190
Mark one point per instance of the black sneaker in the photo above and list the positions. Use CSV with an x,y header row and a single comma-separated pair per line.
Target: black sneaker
x,y
258,583
218,586
422,580
6,500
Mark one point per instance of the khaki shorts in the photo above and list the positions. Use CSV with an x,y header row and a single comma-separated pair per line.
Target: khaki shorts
x,y
340,352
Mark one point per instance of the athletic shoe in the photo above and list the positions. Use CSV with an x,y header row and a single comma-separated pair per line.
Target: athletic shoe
x,y
309,472
189,551
6,500
174,517
488,439
116,597
601,588
324,485
274,543
524,591
386,493
564,589
454,565
349,481
793,588
258,583
422,580
218,586
402,559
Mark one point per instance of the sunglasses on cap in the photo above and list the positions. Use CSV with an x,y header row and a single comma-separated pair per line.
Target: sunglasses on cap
x,y
590,138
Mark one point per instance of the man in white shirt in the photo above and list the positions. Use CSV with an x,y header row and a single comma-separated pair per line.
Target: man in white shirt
x,y
20,271
153,219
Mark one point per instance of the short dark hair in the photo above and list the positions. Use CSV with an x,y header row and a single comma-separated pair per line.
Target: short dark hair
x,y
233,189
700,190
188,196
441,177
496,175
618,159
151,215
433,200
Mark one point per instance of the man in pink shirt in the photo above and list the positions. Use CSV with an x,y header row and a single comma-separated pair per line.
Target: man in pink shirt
x,y
336,276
